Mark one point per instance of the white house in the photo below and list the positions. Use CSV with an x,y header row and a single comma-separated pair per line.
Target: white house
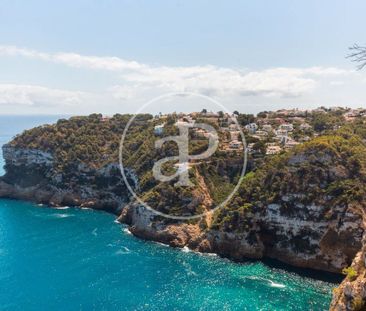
x,y
233,127
267,128
261,133
251,127
286,127
281,132
273,149
159,129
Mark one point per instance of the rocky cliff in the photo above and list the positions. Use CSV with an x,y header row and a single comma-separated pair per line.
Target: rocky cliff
x,y
30,175
284,213
305,207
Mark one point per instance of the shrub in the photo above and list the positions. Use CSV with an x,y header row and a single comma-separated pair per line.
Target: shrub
x,y
350,272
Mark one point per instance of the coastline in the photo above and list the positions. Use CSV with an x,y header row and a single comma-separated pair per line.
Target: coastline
x,y
316,274
309,271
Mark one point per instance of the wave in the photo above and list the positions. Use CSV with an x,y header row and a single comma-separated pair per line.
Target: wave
x,y
186,249
125,230
274,284
94,232
62,207
207,254
62,215
270,282
125,250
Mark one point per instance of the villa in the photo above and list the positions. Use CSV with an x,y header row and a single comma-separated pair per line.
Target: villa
x,y
159,129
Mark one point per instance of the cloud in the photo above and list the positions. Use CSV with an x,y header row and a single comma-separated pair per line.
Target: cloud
x,y
34,95
73,59
208,79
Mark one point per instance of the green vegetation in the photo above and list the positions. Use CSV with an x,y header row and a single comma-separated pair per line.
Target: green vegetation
x,y
330,170
93,142
244,119
350,272
326,121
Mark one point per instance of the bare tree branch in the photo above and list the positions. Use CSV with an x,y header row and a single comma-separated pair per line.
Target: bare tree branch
x,y
358,55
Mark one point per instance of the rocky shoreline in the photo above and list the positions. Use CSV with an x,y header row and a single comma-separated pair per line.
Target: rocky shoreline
x,y
306,233
236,246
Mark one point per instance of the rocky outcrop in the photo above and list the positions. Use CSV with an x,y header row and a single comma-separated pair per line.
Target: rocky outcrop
x,y
30,175
351,294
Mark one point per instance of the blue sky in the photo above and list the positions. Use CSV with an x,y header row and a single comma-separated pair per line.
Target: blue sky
x,y
112,56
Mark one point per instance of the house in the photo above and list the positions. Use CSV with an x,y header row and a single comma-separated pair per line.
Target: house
x,y
260,135
279,120
267,127
233,127
286,127
235,144
290,144
273,149
281,132
234,135
251,127
282,139
159,129
184,121
350,116
250,148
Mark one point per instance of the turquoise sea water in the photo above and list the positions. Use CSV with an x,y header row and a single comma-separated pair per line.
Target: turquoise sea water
x,y
74,259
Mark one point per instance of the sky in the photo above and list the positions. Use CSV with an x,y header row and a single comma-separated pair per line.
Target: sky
x,y
80,57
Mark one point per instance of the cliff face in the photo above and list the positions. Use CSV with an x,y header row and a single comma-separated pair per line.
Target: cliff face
x,y
301,238
305,208
30,175
351,294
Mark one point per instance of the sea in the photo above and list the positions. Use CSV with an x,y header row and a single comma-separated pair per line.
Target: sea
x,y
81,259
